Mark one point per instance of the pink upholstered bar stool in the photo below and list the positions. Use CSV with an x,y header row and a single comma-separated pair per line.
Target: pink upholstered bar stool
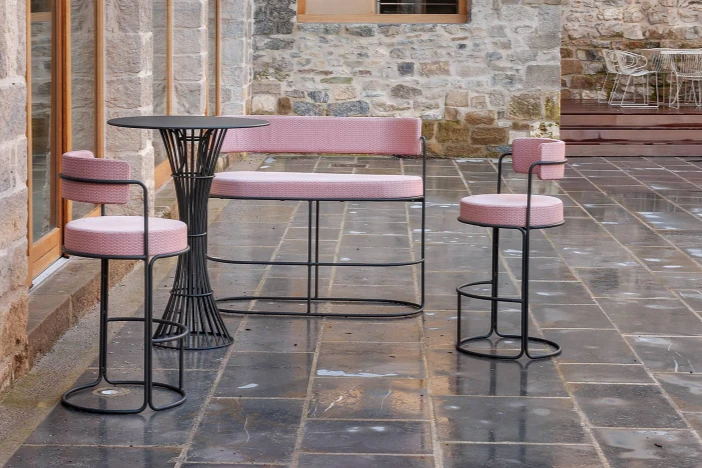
x,y
544,158
102,181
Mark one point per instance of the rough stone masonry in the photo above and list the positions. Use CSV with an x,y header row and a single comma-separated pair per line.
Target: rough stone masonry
x,y
13,190
476,85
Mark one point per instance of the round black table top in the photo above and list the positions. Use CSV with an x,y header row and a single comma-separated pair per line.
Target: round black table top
x,y
158,122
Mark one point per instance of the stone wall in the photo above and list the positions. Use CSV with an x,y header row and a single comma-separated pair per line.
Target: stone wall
x,y
589,26
13,190
476,85
236,55
129,89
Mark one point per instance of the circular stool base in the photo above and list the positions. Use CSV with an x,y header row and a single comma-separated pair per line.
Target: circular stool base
x,y
65,398
522,352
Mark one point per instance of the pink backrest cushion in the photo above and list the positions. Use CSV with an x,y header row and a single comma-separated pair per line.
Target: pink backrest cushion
x,y
84,165
527,151
328,135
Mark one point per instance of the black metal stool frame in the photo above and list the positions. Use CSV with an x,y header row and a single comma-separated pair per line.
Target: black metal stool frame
x,y
148,320
313,262
524,337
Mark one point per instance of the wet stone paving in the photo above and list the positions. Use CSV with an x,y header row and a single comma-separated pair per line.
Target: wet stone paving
x,y
616,286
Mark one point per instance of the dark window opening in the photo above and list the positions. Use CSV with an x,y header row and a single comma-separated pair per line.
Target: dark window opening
x,y
418,7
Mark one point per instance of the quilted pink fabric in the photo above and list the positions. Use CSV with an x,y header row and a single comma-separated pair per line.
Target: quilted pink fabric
x,y
527,151
299,185
328,135
124,235
84,165
510,210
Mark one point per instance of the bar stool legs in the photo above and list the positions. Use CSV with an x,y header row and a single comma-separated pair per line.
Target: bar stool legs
x,y
116,388
523,338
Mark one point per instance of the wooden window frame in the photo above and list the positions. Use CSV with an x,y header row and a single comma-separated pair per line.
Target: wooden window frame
x,y
377,18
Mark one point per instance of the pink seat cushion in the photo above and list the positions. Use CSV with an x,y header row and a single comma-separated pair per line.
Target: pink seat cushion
x,y
312,186
124,236
510,210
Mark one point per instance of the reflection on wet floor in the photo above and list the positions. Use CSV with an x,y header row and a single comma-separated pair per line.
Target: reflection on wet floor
x,y
616,286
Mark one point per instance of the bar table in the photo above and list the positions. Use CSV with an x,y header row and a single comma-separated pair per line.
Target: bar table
x,y
193,144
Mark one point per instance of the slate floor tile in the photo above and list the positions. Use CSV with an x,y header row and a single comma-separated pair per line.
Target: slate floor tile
x,y
93,457
240,430
526,456
631,448
508,419
270,375
364,398
397,360
333,436
310,460
642,406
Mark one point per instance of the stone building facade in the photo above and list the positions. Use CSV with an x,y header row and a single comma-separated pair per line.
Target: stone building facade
x,y
589,26
13,190
476,85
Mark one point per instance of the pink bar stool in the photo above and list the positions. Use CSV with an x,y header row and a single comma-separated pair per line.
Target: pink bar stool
x,y
546,159
102,181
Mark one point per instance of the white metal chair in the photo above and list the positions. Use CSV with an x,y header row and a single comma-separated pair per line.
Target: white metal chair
x,y
687,69
635,66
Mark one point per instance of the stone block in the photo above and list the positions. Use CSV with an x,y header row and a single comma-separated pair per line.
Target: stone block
x,y
318,96
391,107
571,67
405,92
284,105
269,87
489,136
543,76
190,97
360,30
13,118
405,68
308,108
348,109
440,68
189,67
428,129
263,104
343,93
337,80
525,107
452,132
457,98
486,117
552,106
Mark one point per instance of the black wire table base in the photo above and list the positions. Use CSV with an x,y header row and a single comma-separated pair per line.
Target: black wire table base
x,y
193,155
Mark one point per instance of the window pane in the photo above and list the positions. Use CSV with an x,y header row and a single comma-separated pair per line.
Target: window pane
x,y
43,170
417,7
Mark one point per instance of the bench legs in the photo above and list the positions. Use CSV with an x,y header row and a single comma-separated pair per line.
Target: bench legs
x,y
313,264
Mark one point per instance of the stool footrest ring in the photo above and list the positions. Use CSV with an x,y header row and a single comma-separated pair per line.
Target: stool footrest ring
x,y
524,351
460,291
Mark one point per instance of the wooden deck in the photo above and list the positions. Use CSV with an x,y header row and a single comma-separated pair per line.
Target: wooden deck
x,y
593,129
